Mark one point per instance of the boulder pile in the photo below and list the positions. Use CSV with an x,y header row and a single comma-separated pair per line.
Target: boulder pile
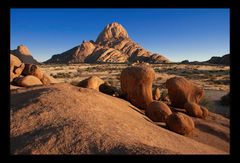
x,y
24,74
136,85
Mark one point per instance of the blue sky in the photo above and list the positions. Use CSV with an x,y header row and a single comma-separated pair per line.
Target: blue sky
x,y
178,34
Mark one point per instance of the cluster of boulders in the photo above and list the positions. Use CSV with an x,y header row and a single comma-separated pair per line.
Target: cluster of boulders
x,y
136,85
24,74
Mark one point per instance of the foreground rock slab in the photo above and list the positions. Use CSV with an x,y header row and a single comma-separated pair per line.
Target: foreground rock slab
x,y
64,119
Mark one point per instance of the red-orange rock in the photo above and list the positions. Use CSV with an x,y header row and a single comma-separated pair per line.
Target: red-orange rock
x,y
157,111
92,82
156,94
136,84
34,70
180,123
26,81
180,91
193,109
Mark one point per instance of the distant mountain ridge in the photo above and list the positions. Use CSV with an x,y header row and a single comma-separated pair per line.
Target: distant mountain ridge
x,y
225,60
113,45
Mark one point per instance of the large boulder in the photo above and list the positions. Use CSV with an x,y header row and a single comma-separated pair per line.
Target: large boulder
x,y
158,111
136,84
180,123
26,81
92,82
180,91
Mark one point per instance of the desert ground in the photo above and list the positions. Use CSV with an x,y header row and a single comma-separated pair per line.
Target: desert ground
x,y
62,118
214,78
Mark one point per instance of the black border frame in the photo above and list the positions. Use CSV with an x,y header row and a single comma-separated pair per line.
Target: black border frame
x,y
234,70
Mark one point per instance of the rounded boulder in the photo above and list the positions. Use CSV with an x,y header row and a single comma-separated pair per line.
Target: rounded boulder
x,y
180,123
158,111
28,80
92,82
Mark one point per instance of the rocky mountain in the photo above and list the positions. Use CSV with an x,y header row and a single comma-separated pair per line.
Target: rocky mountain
x,y
113,45
23,53
225,60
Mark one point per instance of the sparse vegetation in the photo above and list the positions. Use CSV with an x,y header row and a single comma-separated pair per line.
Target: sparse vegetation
x,y
62,75
213,76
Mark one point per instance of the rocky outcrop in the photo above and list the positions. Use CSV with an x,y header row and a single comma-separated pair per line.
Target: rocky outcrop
x,y
64,119
136,84
111,31
107,55
23,53
224,60
34,70
157,58
25,75
77,54
113,45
